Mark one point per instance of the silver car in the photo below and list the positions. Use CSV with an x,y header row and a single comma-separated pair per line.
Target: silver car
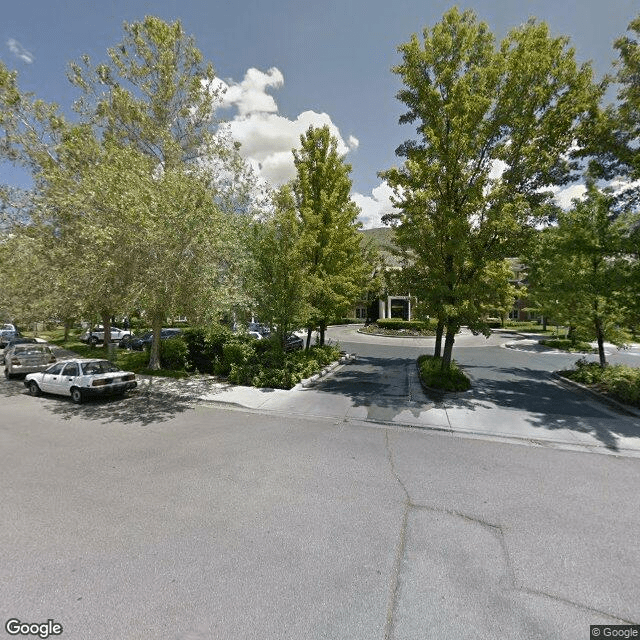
x,y
7,332
21,359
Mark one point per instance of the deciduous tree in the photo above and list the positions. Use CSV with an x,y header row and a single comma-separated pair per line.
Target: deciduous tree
x,y
337,271
494,124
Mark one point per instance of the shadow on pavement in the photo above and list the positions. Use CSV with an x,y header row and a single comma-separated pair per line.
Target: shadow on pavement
x,y
135,408
546,405
383,386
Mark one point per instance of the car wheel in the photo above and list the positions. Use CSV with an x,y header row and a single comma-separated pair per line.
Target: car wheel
x,y
7,375
93,341
76,395
34,389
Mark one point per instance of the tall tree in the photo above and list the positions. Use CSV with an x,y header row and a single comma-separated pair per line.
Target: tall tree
x,y
494,125
611,137
578,272
278,268
337,270
157,95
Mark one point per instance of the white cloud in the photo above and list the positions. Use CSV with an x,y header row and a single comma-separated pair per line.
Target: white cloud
x,y
19,51
373,207
563,197
249,96
266,137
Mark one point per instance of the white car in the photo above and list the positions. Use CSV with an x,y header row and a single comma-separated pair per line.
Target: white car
x,y
81,378
97,335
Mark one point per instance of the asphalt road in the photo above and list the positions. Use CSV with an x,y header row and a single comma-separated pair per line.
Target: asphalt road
x,y
142,518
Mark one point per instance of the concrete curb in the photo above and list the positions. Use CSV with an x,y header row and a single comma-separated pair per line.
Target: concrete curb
x,y
308,382
170,387
601,397
384,335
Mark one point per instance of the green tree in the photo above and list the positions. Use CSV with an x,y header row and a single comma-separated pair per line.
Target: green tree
x,y
336,265
494,125
578,273
156,94
278,267
611,137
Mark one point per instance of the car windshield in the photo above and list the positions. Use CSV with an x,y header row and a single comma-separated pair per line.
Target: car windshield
x,y
100,366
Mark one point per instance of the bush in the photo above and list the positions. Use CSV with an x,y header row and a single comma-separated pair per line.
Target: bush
x,y
174,354
565,344
450,380
236,352
397,324
619,381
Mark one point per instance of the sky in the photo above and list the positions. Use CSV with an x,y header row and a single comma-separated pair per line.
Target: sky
x,y
288,64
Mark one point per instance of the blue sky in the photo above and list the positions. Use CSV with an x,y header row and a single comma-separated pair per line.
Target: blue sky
x,y
291,63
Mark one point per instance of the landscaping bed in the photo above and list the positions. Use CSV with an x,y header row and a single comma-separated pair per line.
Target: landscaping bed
x,y
217,351
564,344
432,376
401,328
619,382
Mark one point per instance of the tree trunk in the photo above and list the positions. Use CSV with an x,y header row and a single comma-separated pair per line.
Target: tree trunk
x,y
67,327
323,328
156,326
309,331
106,324
544,323
600,338
437,351
452,329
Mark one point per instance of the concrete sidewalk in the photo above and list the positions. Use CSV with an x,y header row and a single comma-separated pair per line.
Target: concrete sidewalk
x,y
602,429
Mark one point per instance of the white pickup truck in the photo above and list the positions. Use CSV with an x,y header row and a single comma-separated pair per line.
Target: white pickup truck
x,y
97,335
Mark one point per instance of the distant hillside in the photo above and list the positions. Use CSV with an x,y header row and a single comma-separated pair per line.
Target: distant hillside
x,y
382,238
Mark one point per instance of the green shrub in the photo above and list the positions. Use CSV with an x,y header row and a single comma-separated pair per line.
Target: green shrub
x,y
565,344
236,352
432,375
174,354
425,327
619,381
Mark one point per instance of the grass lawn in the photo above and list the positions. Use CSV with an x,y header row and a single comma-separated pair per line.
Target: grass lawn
x,y
135,361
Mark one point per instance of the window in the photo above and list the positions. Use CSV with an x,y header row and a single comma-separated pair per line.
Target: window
x,y
56,369
71,370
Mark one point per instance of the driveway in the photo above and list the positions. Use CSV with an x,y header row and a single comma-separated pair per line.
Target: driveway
x,y
514,394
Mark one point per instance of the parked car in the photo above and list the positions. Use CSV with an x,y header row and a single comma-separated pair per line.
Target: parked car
x,y
21,359
260,328
81,378
16,341
139,343
8,332
97,335
293,342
